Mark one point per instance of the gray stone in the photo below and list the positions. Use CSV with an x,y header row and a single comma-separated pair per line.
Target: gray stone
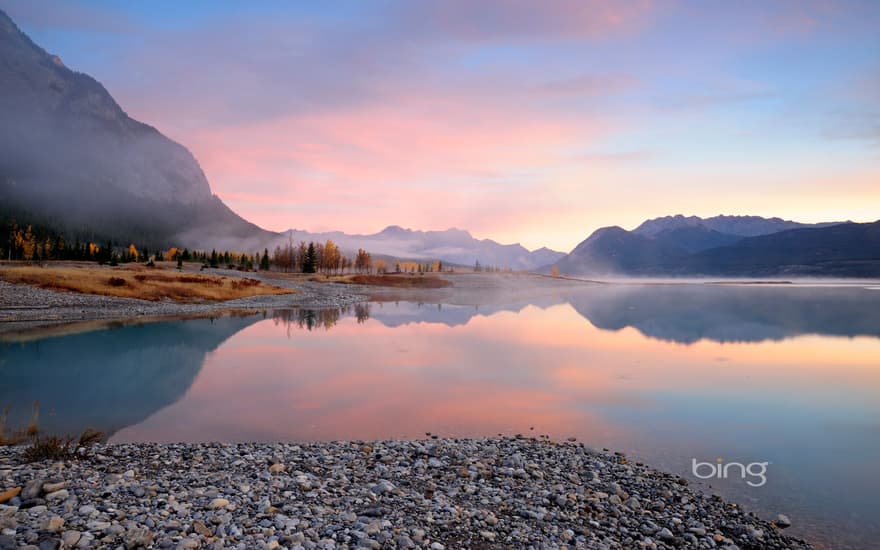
x,y
70,538
138,537
32,489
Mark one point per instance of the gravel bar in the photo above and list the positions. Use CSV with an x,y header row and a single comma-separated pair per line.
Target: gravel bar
x,y
432,493
25,307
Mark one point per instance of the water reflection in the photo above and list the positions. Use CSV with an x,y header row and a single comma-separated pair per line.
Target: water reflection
x,y
314,319
731,313
107,379
764,376
678,313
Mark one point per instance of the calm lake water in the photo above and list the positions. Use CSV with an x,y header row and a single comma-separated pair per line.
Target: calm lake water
x,y
785,375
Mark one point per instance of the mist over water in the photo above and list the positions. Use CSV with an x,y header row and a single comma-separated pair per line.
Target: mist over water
x,y
668,374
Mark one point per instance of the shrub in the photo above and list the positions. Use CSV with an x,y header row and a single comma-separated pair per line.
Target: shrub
x,y
116,281
60,448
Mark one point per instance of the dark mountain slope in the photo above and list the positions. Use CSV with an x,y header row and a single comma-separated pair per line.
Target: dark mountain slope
x,y
844,250
72,158
851,249
613,250
743,226
695,238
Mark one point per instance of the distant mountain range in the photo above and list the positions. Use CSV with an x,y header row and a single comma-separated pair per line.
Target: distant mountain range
x,y
740,226
740,246
455,246
71,159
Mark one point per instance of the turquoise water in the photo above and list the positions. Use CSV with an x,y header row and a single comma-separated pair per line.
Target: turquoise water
x,y
789,376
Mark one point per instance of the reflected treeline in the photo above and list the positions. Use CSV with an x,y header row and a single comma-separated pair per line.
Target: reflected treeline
x,y
314,319
683,313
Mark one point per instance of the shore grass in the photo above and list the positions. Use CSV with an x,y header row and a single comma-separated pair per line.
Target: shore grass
x,y
135,281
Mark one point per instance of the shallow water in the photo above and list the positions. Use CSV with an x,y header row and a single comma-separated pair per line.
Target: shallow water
x,y
668,374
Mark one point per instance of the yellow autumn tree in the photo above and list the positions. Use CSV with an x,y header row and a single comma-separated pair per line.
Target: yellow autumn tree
x,y
331,258
27,242
379,266
133,251
554,271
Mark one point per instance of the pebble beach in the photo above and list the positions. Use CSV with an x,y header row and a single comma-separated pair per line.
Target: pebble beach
x,y
511,492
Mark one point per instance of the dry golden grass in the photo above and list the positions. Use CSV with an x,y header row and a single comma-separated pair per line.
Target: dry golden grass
x,y
138,282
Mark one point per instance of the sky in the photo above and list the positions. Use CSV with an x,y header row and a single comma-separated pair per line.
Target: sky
x,y
521,121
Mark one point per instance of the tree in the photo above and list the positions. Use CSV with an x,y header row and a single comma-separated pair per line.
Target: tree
x,y
331,258
300,256
60,248
363,261
311,259
554,271
215,260
477,266
264,261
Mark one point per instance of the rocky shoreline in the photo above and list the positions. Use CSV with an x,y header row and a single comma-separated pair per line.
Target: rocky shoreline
x,y
432,493
25,307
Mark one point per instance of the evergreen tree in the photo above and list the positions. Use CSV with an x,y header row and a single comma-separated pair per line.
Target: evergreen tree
x,y
215,261
264,261
311,259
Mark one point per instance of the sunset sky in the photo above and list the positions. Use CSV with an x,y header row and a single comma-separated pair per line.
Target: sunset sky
x,y
526,121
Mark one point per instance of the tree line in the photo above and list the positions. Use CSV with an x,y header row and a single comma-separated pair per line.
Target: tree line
x,y
37,244
324,257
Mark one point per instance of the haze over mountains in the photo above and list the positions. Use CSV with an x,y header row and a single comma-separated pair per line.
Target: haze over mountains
x,y
73,161
739,226
70,157
750,246
455,246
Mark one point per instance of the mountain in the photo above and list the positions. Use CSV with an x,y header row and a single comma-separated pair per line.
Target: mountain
x,y
743,226
850,249
695,238
841,250
73,160
614,250
455,246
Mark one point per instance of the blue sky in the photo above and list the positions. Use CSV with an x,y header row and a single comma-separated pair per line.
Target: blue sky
x,y
521,121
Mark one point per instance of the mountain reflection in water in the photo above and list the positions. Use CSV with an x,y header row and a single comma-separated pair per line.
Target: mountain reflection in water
x,y
787,375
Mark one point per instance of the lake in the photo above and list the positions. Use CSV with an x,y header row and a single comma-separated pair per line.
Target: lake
x,y
787,375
